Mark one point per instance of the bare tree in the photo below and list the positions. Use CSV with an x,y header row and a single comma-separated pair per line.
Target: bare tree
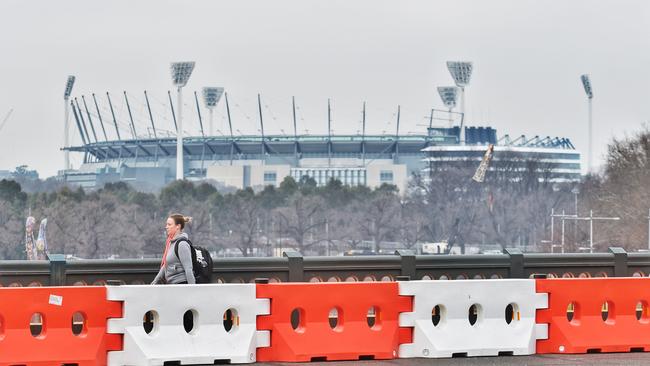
x,y
303,220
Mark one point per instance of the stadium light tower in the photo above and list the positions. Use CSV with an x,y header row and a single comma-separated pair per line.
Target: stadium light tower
x,y
66,123
449,96
211,96
461,71
586,83
181,72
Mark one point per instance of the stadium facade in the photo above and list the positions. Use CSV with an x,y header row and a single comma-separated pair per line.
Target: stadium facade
x,y
259,160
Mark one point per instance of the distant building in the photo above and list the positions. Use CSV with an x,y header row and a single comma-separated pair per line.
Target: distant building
x,y
551,163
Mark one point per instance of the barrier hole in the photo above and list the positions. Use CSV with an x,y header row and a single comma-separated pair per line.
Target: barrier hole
x,y
172,363
298,320
150,321
607,312
37,325
572,313
336,319
78,324
642,312
190,318
319,359
221,362
369,278
230,320
374,318
459,355
437,314
593,350
366,357
637,349
506,353
474,314
512,313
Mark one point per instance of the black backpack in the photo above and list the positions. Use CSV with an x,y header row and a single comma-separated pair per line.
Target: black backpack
x,y
201,261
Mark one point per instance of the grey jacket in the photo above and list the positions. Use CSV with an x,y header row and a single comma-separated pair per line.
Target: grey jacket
x,y
177,269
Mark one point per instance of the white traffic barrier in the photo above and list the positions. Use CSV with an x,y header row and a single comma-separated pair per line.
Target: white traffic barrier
x,y
472,318
204,340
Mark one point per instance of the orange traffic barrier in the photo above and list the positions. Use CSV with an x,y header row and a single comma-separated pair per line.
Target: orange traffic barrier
x,y
42,326
594,315
333,321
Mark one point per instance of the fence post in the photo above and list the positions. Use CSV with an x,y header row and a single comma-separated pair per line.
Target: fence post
x,y
407,259
57,269
516,262
620,261
296,268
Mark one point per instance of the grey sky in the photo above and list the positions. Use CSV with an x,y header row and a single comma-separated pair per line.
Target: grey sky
x,y
528,56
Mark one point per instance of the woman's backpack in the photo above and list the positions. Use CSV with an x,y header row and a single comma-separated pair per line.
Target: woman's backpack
x,y
201,261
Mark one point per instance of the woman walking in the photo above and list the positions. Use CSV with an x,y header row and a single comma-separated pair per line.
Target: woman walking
x,y
176,269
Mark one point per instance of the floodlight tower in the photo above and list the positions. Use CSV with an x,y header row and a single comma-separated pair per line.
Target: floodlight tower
x,y
211,96
66,123
449,96
461,71
181,72
586,83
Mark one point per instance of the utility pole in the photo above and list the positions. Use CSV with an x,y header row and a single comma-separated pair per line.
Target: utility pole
x,y
591,220
562,217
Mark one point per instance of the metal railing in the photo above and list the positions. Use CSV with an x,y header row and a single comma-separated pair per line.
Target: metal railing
x,y
293,267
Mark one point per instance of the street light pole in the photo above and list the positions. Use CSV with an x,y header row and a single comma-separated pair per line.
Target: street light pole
x,y
586,83
66,122
563,216
591,219
575,192
180,172
181,72
562,231
461,71
211,96
449,96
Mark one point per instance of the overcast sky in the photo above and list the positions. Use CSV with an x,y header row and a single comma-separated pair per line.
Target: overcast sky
x,y
528,57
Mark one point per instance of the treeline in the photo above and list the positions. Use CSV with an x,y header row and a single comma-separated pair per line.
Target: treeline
x,y
511,208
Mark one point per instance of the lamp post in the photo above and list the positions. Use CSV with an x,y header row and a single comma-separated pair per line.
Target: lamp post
x,y
575,192
181,72
211,96
586,83
461,71
449,96
66,122
648,228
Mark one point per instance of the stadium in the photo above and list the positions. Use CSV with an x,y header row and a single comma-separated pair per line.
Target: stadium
x,y
149,160
241,161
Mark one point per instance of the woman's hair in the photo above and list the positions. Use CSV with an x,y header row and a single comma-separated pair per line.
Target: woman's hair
x,y
180,220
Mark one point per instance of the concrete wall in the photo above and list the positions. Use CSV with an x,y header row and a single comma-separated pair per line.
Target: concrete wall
x,y
400,176
228,175
235,175
257,174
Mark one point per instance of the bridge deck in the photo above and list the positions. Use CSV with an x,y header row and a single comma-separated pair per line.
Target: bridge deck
x,y
622,359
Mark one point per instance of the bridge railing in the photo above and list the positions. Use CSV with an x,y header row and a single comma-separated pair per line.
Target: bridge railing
x,y
293,267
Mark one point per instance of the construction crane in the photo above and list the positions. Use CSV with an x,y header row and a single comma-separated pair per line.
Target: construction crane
x,y
455,235
4,121
479,175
